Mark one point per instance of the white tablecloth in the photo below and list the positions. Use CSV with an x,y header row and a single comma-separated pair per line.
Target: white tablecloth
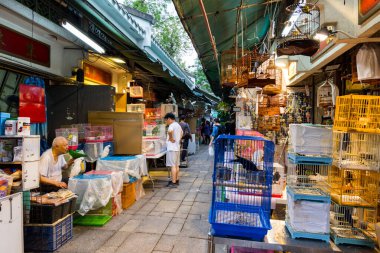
x,y
131,165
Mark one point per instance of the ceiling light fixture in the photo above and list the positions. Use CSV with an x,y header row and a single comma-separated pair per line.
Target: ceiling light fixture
x,y
69,27
326,32
117,60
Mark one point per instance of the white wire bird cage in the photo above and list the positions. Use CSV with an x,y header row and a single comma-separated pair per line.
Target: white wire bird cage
x,y
296,37
356,150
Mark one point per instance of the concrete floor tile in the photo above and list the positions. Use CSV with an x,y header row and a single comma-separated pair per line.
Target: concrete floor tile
x,y
205,198
139,243
162,192
106,250
190,196
170,215
148,207
178,220
167,206
130,226
194,217
116,239
166,243
153,225
190,245
184,209
155,200
155,213
175,195
94,240
195,229
180,215
173,229
200,208
187,203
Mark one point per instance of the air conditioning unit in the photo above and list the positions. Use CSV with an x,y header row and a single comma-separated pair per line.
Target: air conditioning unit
x,y
136,92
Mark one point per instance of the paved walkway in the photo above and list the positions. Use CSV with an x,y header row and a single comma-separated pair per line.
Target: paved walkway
x,y
166,220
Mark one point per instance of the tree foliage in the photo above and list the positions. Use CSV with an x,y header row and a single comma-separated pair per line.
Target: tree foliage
x,y
200,77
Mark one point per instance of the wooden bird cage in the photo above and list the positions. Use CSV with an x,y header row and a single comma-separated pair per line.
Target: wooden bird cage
x,y
235,67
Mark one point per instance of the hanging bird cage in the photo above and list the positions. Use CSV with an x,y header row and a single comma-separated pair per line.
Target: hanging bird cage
x,y
303,23
235,67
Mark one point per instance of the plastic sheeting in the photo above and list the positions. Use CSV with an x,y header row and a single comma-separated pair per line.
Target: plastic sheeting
x,y
94,191
116,179
134,166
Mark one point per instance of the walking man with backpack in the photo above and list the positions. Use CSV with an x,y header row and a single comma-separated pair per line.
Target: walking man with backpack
x,y
216,131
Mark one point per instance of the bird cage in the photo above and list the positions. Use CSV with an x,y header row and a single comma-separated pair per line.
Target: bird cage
x,y
356,150
136,92
242,186
352,187
353,225
298,30
235,67
308,175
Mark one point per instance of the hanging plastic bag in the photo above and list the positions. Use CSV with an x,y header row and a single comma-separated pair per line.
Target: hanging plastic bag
x,y
368,62
210,150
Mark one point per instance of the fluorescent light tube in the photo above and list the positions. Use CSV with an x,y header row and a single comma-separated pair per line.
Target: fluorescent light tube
x,y
69,27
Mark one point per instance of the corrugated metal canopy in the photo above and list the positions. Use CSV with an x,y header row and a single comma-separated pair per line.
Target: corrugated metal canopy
x,y
254,21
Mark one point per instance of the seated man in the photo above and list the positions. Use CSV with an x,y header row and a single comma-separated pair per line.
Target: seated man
x,y
51,164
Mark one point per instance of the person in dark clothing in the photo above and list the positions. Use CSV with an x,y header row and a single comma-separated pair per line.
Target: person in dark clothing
x,y
185,137
202,127
207,132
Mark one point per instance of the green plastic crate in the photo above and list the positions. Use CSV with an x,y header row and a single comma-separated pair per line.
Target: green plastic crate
x,y
92,220
105,210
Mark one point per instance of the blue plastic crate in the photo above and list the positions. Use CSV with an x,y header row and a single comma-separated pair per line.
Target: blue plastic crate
x,y
299,234
313,194
48,238
296,158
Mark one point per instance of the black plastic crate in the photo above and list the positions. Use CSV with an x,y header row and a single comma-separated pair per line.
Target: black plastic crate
x,y
69,207
45,214
48,238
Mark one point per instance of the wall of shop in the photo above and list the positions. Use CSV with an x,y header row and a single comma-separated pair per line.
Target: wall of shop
x,y
61,60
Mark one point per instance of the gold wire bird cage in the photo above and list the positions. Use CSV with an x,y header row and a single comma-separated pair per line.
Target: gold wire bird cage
x,y
352,187
235,67
308,175
353,225
356,150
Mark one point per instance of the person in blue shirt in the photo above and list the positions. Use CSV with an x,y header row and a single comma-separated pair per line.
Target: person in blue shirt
x,y
216,131
207,132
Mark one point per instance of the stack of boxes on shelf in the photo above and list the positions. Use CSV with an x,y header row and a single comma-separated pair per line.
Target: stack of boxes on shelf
x,y
242,185
307,190
354,178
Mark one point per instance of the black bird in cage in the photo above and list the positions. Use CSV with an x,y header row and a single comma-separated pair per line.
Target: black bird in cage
x,y
247,164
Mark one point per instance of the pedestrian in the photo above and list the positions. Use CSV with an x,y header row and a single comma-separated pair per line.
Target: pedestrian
x,y
207,132
203,124
217,130
185,138
173,142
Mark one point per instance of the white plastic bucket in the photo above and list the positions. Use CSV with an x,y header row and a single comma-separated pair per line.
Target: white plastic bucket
x,y
10,127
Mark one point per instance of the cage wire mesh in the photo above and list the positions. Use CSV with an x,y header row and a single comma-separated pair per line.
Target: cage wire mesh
x,y
353,222
356,150
243,172
235,67
352,187
308,175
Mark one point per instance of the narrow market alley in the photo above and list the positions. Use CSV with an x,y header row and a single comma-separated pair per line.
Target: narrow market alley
x,y
164,220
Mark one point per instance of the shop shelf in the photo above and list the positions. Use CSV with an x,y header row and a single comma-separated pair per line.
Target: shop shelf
x,y
352,187
308,175
356,150
299,234
308,139
359,113
92,220
48,238
297,158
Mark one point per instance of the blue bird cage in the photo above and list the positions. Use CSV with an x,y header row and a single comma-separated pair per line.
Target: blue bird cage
x,y
242,187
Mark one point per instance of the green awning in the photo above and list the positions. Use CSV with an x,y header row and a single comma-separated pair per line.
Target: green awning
x,y
222,16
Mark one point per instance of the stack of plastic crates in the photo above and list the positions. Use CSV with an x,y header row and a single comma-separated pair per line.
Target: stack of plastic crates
x,y
242,186
307,191
354,178
47,227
